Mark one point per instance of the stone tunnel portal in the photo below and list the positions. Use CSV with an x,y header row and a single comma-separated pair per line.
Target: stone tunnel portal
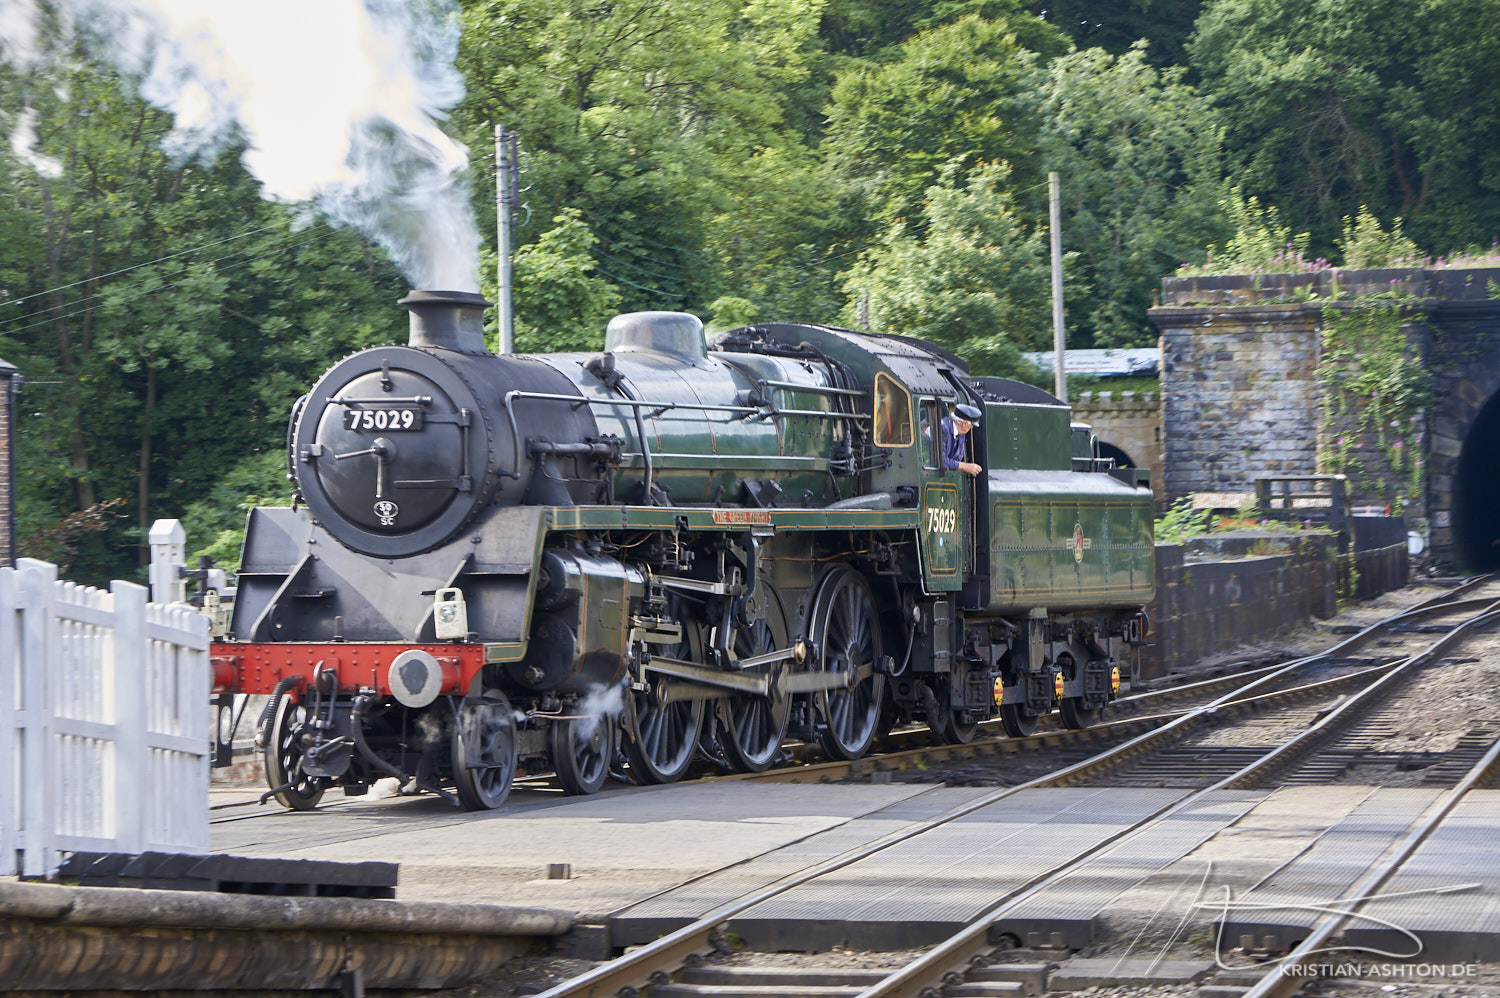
x,y
1476,492
1122,459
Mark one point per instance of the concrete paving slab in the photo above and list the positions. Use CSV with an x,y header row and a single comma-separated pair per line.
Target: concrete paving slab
x,y
1064,915
659,915
915,893
1276,914
1082,974
1445,925
623,846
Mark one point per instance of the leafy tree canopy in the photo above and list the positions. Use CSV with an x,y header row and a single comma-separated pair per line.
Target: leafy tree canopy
x,y
1333,104
1141,157
975,280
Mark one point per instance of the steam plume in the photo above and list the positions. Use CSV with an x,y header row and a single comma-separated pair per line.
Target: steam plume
x,y
337,101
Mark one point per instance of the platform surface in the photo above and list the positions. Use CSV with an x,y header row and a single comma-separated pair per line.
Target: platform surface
x,y
916,892
623,845
1447,895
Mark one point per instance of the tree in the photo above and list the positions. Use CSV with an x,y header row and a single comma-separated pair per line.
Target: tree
x,y
872,28
1333,104
642,115
1141,163
956,95
563,303
1115,27
163,315
974,281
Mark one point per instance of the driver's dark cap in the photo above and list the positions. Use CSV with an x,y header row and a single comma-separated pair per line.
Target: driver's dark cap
x,y
969,412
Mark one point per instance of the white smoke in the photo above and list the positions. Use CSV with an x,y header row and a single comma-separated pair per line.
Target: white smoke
x,y
18,32
337,101
599,704
23,145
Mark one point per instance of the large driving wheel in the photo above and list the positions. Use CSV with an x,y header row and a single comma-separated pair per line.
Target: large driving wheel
x,y
283,759
666,734
582,748
846,630
753,726
484,751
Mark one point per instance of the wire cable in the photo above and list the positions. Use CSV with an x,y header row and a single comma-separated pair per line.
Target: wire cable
x,y
134,266
100,294
165,287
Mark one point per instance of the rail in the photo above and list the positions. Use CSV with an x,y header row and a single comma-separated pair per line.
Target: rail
x,y
645,965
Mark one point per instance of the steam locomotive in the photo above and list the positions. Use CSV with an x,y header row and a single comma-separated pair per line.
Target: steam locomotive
x,y
665,551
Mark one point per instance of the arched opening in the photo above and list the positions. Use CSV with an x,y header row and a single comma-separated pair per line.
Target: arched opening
x,y
1476,492
1122,459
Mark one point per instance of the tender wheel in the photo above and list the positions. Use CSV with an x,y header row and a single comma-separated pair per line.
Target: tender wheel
x,y
484,751
283,759
949,725
847,631
1075,715
666,734
1016,722
582,748
753,726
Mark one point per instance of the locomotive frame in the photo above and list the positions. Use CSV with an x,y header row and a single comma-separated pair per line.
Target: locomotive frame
x,y
663,552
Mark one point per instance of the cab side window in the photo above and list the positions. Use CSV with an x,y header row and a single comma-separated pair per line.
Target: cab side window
x,y
892,413
930,427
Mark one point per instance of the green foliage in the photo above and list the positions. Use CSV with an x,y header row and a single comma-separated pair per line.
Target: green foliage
x,y
730,312
955,97
562,303
1182,522
1371,371
1262,243
1366,245
647,118
215,524
1331,104
1142,182
59,541
975,281
1115,27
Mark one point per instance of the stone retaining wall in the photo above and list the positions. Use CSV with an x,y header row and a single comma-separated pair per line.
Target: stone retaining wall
x,y
1259,586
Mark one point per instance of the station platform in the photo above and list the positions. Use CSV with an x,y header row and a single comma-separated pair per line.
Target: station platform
x,y
917,892
1446,897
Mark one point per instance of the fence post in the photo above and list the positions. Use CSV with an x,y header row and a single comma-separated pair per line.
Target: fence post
x,y
168,551
129,668
10,813
36,761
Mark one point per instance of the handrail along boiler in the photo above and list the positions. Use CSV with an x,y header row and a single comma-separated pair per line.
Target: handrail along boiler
x,y
664,551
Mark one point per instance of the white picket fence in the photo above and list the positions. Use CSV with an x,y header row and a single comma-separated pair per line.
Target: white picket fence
x,y
102,719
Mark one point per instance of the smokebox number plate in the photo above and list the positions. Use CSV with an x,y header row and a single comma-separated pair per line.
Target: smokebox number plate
x,y
383,420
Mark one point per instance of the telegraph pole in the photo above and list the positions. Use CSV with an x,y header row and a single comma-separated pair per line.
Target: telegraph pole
x,y
505,199
1059,340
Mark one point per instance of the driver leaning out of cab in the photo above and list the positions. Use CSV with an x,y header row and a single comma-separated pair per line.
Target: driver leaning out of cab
x,y
955,428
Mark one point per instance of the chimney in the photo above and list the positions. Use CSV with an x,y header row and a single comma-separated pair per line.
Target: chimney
x,y
449,320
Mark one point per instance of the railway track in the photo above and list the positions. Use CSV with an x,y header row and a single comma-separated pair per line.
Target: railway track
x,y
1322,713
913,748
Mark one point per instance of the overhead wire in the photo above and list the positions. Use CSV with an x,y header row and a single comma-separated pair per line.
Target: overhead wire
x,y
100,294
8,330
134,266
